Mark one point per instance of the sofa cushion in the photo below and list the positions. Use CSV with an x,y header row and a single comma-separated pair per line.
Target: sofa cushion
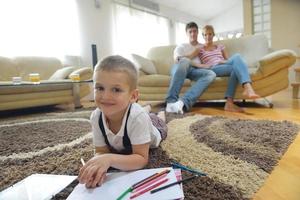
x,y
162,57
144,64
63,73
158,80
248,47
8,69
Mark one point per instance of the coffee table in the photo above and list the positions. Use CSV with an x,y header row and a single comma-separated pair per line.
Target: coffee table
x,y
8,87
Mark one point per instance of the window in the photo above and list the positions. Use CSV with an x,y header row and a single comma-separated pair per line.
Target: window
x,y
136,31
39,28
261,18
229,34
180,34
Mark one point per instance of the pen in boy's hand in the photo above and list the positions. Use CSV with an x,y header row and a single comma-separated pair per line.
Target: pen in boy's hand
x,y
82,161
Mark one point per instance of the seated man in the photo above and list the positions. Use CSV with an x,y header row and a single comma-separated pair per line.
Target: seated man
x,y
186,58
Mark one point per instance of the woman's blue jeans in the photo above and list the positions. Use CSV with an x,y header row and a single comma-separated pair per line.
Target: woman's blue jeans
x,y
236,69
182,70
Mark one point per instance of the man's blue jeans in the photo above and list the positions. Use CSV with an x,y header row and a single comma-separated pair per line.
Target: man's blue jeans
x,y
236,69
182,70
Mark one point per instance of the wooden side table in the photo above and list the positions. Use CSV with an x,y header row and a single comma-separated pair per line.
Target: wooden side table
x,y
76,92
297,74
296,85
76,95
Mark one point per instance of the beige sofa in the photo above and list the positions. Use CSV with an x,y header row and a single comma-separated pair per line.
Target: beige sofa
x,y
55,87
269,70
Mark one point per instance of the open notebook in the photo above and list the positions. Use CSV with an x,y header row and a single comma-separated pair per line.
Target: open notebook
x,y
118,182
37,187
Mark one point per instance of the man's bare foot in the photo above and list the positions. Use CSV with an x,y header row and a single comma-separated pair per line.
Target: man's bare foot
x,y
231,107
249,92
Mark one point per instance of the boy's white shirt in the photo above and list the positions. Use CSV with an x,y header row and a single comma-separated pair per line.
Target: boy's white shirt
x,y
185,49
140,129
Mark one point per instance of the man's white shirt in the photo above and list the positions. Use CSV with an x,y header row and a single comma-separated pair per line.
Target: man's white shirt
x,y
186,49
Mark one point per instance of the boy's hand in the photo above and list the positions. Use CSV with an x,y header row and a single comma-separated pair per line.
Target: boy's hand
x,y
93,173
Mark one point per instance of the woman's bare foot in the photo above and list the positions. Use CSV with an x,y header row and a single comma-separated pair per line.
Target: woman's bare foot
x,y
249,92
231,107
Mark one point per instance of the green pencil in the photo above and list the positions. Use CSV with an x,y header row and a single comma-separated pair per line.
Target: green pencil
x,y
142,182
124,193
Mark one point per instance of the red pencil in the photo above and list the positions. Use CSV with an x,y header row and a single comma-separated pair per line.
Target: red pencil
x,y
149,183
154,176
149,188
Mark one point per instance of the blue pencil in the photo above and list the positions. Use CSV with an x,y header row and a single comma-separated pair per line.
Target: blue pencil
x,y
177,165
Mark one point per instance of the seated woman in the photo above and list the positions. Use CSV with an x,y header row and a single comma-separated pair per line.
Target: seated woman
x,y
214,57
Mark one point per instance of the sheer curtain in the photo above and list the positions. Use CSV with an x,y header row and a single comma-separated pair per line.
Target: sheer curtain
x,y
137,31
180,35
39,28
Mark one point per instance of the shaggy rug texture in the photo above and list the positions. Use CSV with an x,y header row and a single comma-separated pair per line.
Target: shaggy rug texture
x,y
237,155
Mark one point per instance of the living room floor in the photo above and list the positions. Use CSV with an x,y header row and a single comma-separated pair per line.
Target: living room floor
x,y
284,182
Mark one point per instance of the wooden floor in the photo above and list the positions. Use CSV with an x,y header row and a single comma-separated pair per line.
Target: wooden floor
x,y
284,181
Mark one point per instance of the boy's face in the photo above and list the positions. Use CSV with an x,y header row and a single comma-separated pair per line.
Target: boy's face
x,y
112,93
192,34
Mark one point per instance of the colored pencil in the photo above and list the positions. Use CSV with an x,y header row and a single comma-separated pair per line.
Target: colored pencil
x,y
142,182
149,183
149,188
185,168
174,183
124,193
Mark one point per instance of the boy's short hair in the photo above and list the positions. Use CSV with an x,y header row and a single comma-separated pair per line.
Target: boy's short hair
x,y
208,27
191,25
118,63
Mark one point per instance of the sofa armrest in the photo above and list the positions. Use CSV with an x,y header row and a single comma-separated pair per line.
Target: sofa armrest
x,y
62,73
276,61
85,73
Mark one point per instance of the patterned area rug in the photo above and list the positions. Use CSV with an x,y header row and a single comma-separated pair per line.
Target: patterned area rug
x,y
237,155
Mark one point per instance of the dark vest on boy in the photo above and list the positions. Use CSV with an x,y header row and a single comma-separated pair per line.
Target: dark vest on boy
x,y
126,141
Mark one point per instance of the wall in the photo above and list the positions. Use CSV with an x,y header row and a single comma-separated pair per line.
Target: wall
x,y
179,16
285,24
230,20
247,17
285,27
96,26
